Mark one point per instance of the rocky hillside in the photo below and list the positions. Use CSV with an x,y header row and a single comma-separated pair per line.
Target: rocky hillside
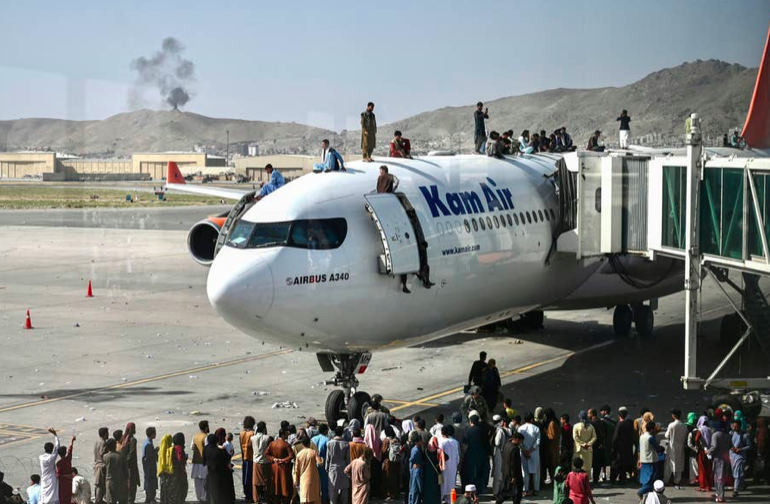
x,y
152,131
658,104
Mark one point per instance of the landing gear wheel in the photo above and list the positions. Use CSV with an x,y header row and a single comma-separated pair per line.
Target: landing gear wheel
x,y
622,320
727,402
357,405
644,320
335,407
534,320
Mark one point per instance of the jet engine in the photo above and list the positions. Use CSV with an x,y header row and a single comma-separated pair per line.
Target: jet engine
x,y
202,239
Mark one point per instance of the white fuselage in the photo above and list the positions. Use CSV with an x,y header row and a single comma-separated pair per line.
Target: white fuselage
x,y
336,300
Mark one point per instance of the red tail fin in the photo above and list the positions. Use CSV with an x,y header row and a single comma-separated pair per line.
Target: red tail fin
x,y
756,131
174,175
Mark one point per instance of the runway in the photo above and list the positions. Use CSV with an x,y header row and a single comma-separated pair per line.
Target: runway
x,y
148,347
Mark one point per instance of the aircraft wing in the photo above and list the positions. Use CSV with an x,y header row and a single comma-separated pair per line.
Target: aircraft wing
x,y
175,182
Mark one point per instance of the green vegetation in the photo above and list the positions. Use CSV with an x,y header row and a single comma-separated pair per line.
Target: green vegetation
x,y
19,197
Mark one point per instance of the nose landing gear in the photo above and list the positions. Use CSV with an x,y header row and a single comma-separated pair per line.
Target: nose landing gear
x,y
348,403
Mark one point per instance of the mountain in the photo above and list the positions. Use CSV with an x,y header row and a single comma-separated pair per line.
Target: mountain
x,y
152,131
658,104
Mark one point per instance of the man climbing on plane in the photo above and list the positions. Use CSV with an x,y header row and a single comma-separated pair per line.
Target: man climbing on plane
x,y
276,181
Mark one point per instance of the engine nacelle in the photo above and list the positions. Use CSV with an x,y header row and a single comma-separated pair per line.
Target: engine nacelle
x,y
202,239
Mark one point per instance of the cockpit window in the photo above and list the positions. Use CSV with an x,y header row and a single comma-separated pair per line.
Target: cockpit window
x,y
315,234
240,234
269,235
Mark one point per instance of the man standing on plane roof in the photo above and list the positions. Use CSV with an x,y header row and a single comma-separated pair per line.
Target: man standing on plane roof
x,y
480,130
368,132
625,129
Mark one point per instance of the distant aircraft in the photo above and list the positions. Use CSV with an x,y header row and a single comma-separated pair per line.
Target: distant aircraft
x,y
317,264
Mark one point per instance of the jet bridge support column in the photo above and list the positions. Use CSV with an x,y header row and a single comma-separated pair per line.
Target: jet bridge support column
x,y
692,259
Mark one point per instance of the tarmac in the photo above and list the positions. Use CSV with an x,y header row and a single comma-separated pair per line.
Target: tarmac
x,y
149,348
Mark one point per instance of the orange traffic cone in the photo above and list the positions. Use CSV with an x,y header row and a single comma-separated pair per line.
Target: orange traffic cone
x,y
454,496
28,322
90,292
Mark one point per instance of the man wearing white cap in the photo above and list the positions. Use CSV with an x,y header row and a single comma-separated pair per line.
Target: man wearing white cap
x,y
470,496
657,497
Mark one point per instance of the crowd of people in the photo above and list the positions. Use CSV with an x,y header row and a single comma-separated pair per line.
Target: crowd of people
x,y
487,440
501,144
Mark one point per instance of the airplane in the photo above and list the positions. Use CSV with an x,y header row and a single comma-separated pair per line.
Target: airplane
x,y
319,264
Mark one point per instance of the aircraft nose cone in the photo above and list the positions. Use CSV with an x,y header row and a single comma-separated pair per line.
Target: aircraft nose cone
x,y
240,288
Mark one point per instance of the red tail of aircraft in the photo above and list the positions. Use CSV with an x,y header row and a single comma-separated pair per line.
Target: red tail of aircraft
x,y
756,131
174,175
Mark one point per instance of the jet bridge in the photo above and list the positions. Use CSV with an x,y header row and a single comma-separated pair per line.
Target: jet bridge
x,y
710,211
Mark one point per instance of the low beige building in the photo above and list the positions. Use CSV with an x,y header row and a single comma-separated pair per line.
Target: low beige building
x,y
60,168
156,163
26,164
290,165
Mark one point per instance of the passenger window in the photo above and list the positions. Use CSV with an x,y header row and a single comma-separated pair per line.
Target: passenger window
x,y
541,216
497,221
553,215
510,222
516,218
489,222
482,224
547,217
521,217
529,218
475,224
440,228
502,220
467,226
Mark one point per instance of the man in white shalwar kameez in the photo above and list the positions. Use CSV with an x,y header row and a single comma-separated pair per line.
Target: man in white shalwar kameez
x,y
451,449
501,436
530,451
49,483
676,451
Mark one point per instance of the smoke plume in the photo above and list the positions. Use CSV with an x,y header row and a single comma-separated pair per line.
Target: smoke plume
x,y
167,71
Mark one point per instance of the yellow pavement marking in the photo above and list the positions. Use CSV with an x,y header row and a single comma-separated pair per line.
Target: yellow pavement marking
x,y
523,369
396,401
142,381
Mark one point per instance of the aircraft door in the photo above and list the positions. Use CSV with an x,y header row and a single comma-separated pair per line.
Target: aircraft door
x,y
401,244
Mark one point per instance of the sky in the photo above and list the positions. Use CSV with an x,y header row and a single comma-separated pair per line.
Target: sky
x,y
319,63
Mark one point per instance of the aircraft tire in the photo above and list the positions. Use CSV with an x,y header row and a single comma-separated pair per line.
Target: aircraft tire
x,y
727,401
644,321
358,404
335,407
622,319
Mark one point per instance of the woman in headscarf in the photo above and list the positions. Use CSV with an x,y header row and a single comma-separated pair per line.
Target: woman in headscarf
x,y
221,489
374,443
585,436
692,448
703,444
551,433
177,484
407,426
128,446
431,490
166,468
353,425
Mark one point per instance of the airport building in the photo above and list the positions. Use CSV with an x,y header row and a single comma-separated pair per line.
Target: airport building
x,y
57,167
